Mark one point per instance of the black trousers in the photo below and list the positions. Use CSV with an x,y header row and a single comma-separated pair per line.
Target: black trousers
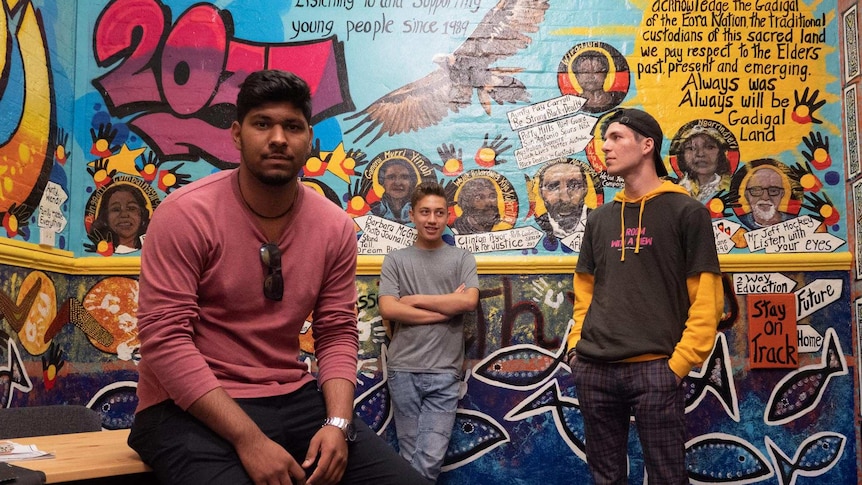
x,y
182,450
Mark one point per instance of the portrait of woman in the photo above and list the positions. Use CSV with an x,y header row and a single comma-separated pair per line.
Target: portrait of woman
x,y
700,154
391,177
398,179
123,215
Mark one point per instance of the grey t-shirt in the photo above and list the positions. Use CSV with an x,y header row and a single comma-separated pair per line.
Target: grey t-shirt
x,y
437,347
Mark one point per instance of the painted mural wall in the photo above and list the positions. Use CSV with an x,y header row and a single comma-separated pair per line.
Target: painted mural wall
x,y
110,106
502,102
518,418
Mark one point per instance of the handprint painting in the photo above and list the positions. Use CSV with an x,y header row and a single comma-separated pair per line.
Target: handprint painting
x,y
117,216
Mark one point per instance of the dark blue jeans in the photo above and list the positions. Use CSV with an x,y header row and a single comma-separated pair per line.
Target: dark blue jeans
x,y
182,450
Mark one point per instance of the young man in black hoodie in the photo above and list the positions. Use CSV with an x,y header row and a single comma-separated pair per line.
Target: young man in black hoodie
x,y
648,297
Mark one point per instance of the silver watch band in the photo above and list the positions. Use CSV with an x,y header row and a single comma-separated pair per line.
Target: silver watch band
x,y
339,423
345,425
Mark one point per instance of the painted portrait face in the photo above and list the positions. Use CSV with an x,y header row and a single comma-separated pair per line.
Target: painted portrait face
x,y
478,200
591,73
124,217
701,153
563,189
398,181
763,193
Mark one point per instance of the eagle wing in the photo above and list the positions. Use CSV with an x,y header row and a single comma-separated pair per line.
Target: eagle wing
x,y
414,106
425,102
502,32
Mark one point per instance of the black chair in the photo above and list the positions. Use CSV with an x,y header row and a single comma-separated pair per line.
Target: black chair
x,y
47,420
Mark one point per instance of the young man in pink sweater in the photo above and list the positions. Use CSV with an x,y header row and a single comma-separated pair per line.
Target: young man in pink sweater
x,y
232,267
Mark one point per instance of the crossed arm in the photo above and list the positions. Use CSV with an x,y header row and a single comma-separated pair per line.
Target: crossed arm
x,y
425,309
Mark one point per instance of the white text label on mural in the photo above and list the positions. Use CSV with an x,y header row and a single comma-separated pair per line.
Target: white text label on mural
x,y
816,295
381,236
794,236
748,283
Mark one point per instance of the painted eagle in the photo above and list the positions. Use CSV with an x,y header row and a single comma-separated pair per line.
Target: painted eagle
x,y
426,101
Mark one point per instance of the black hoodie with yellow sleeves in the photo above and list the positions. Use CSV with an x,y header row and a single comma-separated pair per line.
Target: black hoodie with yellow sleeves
x,y
648,282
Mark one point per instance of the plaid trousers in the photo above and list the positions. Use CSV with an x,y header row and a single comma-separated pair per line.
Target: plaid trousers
x,y
609,393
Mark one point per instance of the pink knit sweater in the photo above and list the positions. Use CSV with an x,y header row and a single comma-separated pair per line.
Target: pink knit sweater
x,y
203,319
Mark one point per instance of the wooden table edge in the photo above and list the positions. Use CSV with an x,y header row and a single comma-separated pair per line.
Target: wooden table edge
x,y
82,456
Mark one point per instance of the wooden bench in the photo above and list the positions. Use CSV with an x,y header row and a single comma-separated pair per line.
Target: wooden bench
x,y
84,456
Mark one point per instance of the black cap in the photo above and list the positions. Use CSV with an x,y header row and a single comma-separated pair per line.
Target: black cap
x,y
643,123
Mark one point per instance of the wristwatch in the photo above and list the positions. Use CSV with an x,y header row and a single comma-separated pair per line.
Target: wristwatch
x,y
345,425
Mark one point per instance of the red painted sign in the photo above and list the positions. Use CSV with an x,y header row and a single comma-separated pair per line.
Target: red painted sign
x,y
772,338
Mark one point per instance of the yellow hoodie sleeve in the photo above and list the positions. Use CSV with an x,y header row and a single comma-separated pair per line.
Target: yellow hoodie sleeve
x,y
706,294
583,285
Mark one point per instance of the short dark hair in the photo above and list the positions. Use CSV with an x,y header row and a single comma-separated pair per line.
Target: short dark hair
x,y
643,125
425,189
273,86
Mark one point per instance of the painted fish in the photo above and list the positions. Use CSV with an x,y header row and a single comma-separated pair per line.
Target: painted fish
x,y
565,410
723,458
474,434
716,377
13,375
116,403
815,456
522,366
800,391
